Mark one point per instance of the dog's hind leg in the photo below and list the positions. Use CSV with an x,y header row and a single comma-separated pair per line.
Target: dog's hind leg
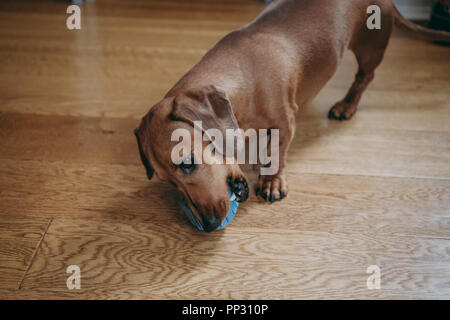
x,y
346,108
369,51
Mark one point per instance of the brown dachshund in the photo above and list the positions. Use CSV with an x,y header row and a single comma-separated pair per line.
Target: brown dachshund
x,y
258,77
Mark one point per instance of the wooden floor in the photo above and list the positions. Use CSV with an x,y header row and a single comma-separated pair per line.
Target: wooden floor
x,y
371,191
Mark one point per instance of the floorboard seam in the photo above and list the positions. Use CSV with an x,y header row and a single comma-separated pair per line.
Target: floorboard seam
x,y
388,176
34,254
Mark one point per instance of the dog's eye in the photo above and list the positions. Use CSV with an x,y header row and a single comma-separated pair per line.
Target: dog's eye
x,y
188,164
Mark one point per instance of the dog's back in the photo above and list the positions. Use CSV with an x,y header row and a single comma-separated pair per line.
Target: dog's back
x,y
311,36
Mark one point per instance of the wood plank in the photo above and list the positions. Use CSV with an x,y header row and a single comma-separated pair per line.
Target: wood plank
x,y
73,139
243,263
242,10
18,241
320,146
316,202
141,78
345,148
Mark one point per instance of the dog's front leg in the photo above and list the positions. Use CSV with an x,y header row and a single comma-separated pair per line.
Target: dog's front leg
x,y
274,187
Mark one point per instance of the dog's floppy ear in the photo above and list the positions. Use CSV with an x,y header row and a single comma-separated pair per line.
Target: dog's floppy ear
x,y
213,109
144,159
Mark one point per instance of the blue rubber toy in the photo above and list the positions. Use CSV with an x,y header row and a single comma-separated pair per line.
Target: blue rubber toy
x,y
230,216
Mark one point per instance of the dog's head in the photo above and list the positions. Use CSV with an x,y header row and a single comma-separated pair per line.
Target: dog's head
x,y
204,185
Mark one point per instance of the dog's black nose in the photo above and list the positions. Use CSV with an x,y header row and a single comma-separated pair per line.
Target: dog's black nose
x,y
211,223
239,187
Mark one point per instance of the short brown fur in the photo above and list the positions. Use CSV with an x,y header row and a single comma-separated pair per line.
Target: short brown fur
x,y
260,76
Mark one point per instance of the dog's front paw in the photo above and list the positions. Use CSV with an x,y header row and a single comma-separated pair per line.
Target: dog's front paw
x,y
272,188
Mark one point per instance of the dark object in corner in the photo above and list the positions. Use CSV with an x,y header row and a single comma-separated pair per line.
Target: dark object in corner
x,y
440,16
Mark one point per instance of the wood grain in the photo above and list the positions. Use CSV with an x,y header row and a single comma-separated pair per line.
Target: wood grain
x,y
183,263
371,191
316,201
20,236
